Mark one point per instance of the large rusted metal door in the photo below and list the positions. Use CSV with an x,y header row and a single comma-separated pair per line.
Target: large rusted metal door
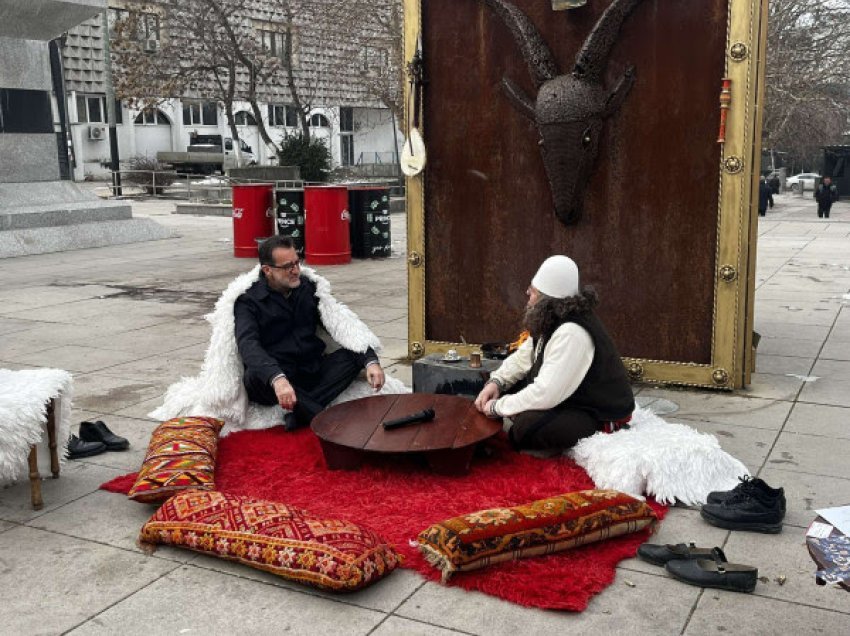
x,y
664,209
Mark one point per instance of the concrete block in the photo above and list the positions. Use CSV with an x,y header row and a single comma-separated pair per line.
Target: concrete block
x,y
72,237
810,454
266,173
44,19
26,64
170,605
653,604
204,209
55,582
432,375
831,387
753,615
28,157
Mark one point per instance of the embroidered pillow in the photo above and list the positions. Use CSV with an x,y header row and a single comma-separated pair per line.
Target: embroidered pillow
x,y
558,523
325,553
181,455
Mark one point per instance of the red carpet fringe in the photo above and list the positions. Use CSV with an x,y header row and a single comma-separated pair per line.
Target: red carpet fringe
x,y
398,498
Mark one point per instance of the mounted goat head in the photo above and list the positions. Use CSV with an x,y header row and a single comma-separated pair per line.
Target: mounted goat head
x,y
570,110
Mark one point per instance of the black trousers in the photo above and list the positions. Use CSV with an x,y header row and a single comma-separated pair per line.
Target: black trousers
x,y
823,213
313,391
556,429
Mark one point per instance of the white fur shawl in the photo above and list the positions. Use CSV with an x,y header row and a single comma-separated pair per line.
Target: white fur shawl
x,y
23,414
664,460
218,390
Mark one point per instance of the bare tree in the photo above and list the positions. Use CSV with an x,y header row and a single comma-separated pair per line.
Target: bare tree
x,y
808,75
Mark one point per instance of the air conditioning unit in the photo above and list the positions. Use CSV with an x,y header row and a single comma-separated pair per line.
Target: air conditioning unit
x,y
97,132
151,45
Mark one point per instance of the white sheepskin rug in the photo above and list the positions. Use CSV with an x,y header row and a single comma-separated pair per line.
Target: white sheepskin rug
x,y
670,462
23,415
218,390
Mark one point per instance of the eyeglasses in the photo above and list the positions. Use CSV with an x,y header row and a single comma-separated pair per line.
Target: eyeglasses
x,y
288,267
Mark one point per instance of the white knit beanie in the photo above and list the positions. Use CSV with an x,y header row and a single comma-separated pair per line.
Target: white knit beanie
x,y
557,277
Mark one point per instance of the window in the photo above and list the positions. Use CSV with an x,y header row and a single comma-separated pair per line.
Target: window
x,y
244,118
152,117
346,150
375,59
346,119
200,114
275,43
144,25
283,115
91,109
318,120
25,111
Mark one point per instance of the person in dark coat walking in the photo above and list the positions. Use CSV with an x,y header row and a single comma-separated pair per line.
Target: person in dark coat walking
x,y
825,194
765,196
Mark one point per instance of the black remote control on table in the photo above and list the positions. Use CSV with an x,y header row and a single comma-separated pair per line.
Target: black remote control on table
x,y
414,418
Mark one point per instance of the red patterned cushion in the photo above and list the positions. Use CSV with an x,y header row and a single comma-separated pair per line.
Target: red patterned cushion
x,y
541,527
181,455
326,553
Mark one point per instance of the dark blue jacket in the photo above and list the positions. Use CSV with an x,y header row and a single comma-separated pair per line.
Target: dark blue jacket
x,y
765,196
276,334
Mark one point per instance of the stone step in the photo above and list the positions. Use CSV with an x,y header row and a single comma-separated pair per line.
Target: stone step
x,y
63,214
43,240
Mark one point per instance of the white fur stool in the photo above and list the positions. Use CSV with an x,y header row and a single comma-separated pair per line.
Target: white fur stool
x,y
33,404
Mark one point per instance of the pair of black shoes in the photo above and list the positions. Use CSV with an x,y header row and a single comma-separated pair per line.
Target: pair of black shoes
x,y
702,567
95,438
752,505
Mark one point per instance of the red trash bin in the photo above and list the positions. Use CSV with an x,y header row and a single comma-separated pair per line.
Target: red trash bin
x,y
326,220
253,217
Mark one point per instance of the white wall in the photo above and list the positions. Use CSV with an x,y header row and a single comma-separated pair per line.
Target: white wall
x,y
373,133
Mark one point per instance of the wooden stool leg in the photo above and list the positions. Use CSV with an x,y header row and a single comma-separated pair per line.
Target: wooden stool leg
x,y
35,480
51,438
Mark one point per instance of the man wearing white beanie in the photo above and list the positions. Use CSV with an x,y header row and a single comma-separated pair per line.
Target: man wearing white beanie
x,y
566,381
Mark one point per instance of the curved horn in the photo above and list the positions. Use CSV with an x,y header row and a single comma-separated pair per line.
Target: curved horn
x,y
536,54
593,57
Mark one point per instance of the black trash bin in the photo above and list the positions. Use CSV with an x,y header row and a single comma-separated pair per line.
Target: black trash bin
x,y
370,221
290,216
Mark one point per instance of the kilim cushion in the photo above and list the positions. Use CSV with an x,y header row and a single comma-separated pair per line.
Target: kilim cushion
x,y
573,519
181,455
326,553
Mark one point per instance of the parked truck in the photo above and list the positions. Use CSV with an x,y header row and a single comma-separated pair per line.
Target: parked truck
x,y
207,154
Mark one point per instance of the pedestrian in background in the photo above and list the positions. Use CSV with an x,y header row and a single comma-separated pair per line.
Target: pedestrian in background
x,y
825,194
765,196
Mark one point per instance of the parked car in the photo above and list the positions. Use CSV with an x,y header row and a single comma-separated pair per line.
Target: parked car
x,y
805,179
207,154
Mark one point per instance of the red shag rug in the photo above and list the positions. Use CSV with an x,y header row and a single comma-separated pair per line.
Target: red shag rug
x,y
398,498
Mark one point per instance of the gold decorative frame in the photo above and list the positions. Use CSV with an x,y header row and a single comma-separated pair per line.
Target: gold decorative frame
x,y
732,351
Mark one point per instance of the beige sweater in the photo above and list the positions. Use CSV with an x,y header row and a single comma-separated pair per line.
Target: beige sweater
x,y
566,359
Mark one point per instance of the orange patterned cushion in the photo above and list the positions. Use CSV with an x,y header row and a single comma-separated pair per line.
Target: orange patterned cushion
x,y
181,455
541,527
326,553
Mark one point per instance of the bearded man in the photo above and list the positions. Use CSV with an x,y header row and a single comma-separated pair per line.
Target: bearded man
x,y
566,381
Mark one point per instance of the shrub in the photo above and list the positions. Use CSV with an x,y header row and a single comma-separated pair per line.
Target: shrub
x,y
312,157
144,179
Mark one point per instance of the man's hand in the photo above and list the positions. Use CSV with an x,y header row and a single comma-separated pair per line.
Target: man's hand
x,y
375,376
489,392
285,393
490,412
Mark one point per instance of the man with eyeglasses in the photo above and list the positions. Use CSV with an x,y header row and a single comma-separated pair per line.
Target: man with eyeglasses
x,y
277,320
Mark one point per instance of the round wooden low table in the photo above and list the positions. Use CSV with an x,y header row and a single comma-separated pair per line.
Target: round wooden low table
x,y
349,430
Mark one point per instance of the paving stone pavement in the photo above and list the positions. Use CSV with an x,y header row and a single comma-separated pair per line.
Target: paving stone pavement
x,y
127,320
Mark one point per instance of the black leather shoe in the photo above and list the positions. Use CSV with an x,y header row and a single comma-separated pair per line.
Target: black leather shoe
x,y
747,510
98,432
748,484
291,423
661,554
77,448
714,573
